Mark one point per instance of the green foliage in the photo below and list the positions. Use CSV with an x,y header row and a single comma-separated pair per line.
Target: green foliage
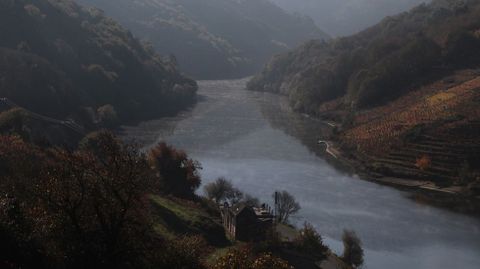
x,y
174,217
462,48
57,57
381,63
390,77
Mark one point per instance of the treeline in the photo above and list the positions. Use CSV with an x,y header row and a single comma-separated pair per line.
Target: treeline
x,y
381,63
62,60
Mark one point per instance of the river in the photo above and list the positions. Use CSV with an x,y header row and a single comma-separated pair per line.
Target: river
x,y
254,140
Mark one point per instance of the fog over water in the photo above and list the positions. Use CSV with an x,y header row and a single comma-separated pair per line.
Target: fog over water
x,y
254,140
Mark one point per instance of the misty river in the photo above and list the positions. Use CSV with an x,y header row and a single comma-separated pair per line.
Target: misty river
x,y
254,140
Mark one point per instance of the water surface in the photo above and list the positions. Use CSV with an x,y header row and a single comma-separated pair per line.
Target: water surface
x,y
254,140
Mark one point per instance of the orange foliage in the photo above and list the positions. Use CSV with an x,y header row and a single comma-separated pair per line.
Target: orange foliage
x,y
244,258
379,129
424,162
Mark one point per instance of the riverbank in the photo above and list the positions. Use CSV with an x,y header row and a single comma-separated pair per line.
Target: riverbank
x,y
451,197
257,142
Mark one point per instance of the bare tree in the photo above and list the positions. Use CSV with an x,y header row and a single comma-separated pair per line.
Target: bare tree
x,y
285,205
352,249
222,190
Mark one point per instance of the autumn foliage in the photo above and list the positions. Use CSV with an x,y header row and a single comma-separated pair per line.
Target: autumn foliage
x,y
85,208
424,162
245,258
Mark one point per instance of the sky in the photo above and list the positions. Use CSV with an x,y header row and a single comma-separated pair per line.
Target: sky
x,y
346,17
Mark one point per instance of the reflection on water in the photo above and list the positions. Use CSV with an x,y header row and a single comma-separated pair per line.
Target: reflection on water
x,y
257,142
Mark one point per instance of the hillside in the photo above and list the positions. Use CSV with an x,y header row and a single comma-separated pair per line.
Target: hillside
x,y
61,60
345,17
213,38
428,135
381,63
109,204
404,92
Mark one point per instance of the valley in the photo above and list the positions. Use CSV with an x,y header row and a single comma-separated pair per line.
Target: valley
x,y
220,134
258,142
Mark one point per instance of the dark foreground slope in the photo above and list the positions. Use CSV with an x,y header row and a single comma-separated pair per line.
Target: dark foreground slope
x,y
62,60
213,38
405,92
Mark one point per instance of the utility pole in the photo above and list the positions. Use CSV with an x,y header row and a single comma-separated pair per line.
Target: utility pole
x,y
275,210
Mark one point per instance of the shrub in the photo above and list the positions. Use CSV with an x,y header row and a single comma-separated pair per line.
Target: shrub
x,y
12,120
424,162
185,252
310,242
108,116
178,174
244,258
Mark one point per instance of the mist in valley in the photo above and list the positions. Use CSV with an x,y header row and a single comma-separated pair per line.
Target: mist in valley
x,y
247,134
346,17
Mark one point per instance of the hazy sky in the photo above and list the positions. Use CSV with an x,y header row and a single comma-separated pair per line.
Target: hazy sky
x,y
344,17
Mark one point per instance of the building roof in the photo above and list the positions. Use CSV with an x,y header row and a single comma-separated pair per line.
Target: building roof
x,y
238,208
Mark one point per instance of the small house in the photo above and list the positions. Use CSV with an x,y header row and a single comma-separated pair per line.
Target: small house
x,y
246,223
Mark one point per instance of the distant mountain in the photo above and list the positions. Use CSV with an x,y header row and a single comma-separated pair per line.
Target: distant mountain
x,y
62,60
346,17
213,38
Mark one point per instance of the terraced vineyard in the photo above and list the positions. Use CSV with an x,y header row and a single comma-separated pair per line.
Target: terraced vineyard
x,y
436,125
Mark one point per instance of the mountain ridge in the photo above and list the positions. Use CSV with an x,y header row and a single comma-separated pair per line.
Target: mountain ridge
x,y
234,38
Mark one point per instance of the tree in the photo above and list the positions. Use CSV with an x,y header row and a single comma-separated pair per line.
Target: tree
x,y
310,242
286,205
352,249
178,174
218,189
86,208
222,190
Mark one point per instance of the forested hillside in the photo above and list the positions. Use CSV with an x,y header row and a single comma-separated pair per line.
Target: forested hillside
x,y
61,60
380,63
404,93
213,38
346,17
